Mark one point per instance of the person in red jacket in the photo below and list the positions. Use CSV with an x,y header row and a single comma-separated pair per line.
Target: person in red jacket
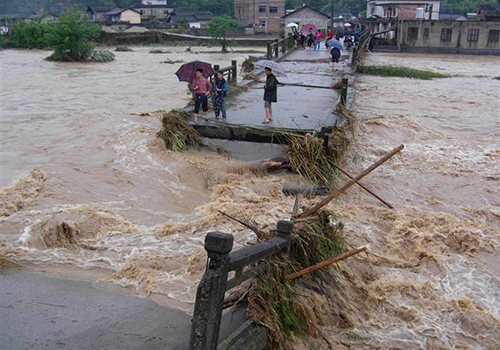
x,y
317,41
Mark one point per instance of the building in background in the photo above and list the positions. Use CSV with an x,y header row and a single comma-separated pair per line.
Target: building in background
x,y
304,15
119,15
97,13
263,15
192,19
158,10
402,9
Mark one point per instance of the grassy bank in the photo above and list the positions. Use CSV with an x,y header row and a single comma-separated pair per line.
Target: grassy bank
x,y
400,71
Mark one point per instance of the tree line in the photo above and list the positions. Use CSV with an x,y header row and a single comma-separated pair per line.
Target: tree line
x,y
226,7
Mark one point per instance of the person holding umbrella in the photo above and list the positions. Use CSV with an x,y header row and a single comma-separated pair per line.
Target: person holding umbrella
x,y
201,87
270,94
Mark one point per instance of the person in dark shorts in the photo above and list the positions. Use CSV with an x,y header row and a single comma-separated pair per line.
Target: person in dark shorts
x,y
201,87
270,94
335,53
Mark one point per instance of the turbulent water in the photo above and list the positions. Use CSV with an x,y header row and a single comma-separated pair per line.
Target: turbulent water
x,y
433,278
88,188
86,184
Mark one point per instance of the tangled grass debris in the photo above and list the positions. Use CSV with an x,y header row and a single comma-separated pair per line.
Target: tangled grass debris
x,y
277,303
309,159
176,131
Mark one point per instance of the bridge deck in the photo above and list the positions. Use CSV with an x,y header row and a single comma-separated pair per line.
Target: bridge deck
x,y
299,109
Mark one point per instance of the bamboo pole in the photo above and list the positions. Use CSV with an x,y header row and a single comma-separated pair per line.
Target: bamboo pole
x,y
341,190
325,263
363,187
303,85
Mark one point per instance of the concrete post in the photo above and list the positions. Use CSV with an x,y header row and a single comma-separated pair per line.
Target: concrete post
x,y
285,229
276,48
210,294
343,94
234,73
269,54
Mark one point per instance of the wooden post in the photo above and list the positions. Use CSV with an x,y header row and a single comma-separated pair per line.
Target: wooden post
x,y
353,56
234,73
343,94
210,294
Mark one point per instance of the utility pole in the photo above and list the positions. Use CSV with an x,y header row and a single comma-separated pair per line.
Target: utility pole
x,y
332,16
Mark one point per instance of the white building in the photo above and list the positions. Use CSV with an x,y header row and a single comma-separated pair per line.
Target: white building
x,y
402,9
154,2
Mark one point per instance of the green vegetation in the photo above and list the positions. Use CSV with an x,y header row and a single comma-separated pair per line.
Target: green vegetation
x,y
29,35
169,61
71,38
218,28
400,71
158,51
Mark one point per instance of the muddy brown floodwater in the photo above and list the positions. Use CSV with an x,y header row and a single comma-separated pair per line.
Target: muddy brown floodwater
x,y
87,188
433,279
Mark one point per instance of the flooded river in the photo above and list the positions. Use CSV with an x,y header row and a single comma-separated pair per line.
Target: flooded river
x,y
88,190
433,278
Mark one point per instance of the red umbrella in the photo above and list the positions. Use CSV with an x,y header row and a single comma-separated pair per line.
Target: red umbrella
x,y
306,27
187,72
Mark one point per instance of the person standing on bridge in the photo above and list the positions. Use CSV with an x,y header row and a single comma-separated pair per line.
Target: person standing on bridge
x,y
201,87
270,94
219,89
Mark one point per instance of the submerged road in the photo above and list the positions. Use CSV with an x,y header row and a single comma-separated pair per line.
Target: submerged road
x,y
43,311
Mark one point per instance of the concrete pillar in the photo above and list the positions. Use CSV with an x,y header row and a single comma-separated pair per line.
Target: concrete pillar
x,y
210,294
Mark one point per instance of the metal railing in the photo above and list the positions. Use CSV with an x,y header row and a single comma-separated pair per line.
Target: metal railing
x,y
214,283
282,45
231,72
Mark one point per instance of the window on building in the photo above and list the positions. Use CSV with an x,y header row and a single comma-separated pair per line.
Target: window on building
x,y
446,34
143,12
426,33
472,35
262,8
262,23
413,33
153,12
165,12
273,9
372,10
493,36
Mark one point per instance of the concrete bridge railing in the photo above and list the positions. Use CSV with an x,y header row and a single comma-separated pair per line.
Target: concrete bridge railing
x,y
231,72
280,47
214,283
